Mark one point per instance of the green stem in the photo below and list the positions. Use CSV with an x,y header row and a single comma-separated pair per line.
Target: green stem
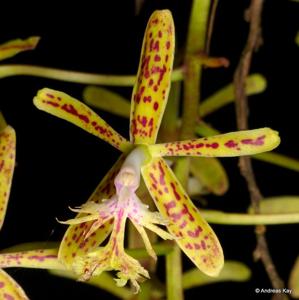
x,y
191,97
218,217
195,44
74,76
174,274
163,248
168,130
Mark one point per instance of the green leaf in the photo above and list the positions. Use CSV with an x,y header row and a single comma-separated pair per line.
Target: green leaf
x,y
232,271
279,205
106,100
294,279
104,281
255,83
210,173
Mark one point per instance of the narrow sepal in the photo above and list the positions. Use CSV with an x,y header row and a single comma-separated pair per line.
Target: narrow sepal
x,y
68,108
151,89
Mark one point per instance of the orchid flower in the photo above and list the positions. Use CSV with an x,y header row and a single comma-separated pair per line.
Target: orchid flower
x,y
114,200
9,288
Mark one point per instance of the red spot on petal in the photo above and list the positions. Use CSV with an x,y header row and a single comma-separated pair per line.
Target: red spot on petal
x,y
231,144
157,57
176,194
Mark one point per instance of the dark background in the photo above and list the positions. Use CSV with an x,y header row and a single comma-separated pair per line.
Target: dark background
x,y
59,165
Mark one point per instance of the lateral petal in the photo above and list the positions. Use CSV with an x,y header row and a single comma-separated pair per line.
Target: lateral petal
x,y
194,235
238,143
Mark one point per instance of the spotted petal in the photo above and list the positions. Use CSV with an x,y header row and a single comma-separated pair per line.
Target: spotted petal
x,y
7,163
14,47
75,243
237,143
10,289
151,89
37,259
65,107
195,237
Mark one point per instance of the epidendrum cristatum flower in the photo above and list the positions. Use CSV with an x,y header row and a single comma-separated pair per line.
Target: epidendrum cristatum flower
x,y
114,200
9,289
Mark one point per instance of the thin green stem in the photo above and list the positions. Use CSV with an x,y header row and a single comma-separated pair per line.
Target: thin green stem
x,y
195,45
74,76
174,275
168,130
218,217
160,249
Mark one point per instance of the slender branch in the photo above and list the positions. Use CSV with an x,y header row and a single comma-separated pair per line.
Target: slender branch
x,y
253,41
219,217
211,25
74,76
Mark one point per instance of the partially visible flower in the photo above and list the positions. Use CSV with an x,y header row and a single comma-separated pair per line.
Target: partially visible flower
x,y
9,289
114,200
13,47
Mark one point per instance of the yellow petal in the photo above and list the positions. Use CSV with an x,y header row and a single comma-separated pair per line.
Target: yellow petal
x,y
151,89
74,243
246,142
14,47
10,289
68,108
37,259
194,235
7,164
